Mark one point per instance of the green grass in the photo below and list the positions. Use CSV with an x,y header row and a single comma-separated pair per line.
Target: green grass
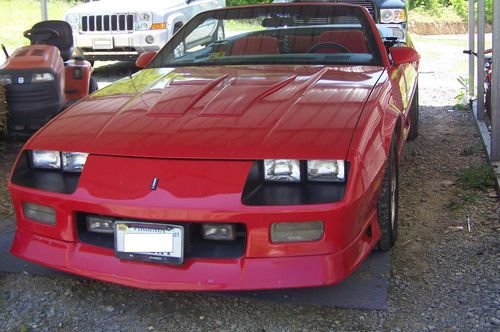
x,y
477,177
16,16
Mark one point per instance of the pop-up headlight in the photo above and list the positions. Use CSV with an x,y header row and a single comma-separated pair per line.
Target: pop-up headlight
x,y
46,159
326,170
74,161
67,161
286,170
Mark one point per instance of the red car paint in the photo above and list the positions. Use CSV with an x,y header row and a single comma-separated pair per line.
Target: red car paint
x,y
199,130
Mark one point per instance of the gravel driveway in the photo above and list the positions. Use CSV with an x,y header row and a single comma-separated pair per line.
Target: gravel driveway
x,y
442,278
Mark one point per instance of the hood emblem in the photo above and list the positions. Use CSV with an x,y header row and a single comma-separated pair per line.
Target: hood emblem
x,y
154,184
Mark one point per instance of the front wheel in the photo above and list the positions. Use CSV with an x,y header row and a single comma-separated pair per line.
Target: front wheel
x,y
414,114
93,85
388,202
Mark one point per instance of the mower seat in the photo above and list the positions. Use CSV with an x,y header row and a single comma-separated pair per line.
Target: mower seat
x,y
62,36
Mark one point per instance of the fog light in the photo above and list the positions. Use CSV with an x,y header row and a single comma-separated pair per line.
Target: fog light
x,y
96,224
221,232
40,213
150,39
296,231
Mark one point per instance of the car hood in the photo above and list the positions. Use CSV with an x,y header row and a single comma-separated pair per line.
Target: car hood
x,y
236,112
123,6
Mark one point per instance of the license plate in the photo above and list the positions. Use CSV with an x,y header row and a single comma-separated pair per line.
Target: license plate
x,y
161,243
103,43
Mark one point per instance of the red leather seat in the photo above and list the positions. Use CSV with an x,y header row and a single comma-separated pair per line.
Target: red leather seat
x,y
255,46
300,44
353,40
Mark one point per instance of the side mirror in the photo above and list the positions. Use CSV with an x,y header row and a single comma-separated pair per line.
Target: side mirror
x,y
144,59
403,54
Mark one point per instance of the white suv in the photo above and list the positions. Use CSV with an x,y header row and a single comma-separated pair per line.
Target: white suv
x,y
123,29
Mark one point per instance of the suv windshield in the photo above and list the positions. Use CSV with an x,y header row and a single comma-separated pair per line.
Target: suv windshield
x,y
277,34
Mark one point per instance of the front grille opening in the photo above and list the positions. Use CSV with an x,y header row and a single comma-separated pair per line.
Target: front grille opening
x,y
108,23
194,245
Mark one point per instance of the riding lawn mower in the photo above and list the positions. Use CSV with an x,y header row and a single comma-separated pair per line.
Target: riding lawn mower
x,y
42,79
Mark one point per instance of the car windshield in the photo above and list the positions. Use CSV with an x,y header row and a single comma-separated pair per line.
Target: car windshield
x,y
276,34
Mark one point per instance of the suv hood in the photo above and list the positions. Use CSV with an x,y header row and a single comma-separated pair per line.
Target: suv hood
x,y
123,6
236,112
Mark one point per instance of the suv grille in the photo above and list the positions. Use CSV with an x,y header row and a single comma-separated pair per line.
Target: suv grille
x,y
365,3
104,23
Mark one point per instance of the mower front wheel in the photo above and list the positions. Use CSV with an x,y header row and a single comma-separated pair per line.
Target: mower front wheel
x,y
93,85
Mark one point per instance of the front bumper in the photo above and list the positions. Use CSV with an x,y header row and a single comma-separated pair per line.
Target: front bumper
x,y
118,46
351,228
209,275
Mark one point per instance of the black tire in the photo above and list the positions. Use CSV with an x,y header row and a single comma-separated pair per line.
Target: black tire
x,y
93,85
414,113
388,202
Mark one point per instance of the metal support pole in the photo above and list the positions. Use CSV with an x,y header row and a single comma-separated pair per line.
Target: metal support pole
x,y
471,47
495,86
481,22
45,15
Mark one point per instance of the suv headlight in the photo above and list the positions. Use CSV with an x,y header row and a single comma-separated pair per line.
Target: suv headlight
x,y
392,16
73,20
144,21
67,161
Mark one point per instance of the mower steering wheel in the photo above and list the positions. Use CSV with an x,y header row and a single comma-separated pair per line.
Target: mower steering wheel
x,y
41,34
328,45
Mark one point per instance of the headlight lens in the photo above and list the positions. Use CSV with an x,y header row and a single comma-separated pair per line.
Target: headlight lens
x,y
145,17
287,170
144,21
72,18
67,161
73,161
42,77
46,159
5,79
326,170
392,16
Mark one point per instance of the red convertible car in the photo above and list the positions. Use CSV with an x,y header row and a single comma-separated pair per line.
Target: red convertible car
x,y
265,156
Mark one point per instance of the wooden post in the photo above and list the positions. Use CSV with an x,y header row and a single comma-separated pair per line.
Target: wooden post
x,y
45,15
481,22
471,47
495,86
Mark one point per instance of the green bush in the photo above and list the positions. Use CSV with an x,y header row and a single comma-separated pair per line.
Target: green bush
x,y
433,8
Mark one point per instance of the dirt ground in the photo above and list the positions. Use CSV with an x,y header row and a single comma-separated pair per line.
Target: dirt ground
x,y
443,276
